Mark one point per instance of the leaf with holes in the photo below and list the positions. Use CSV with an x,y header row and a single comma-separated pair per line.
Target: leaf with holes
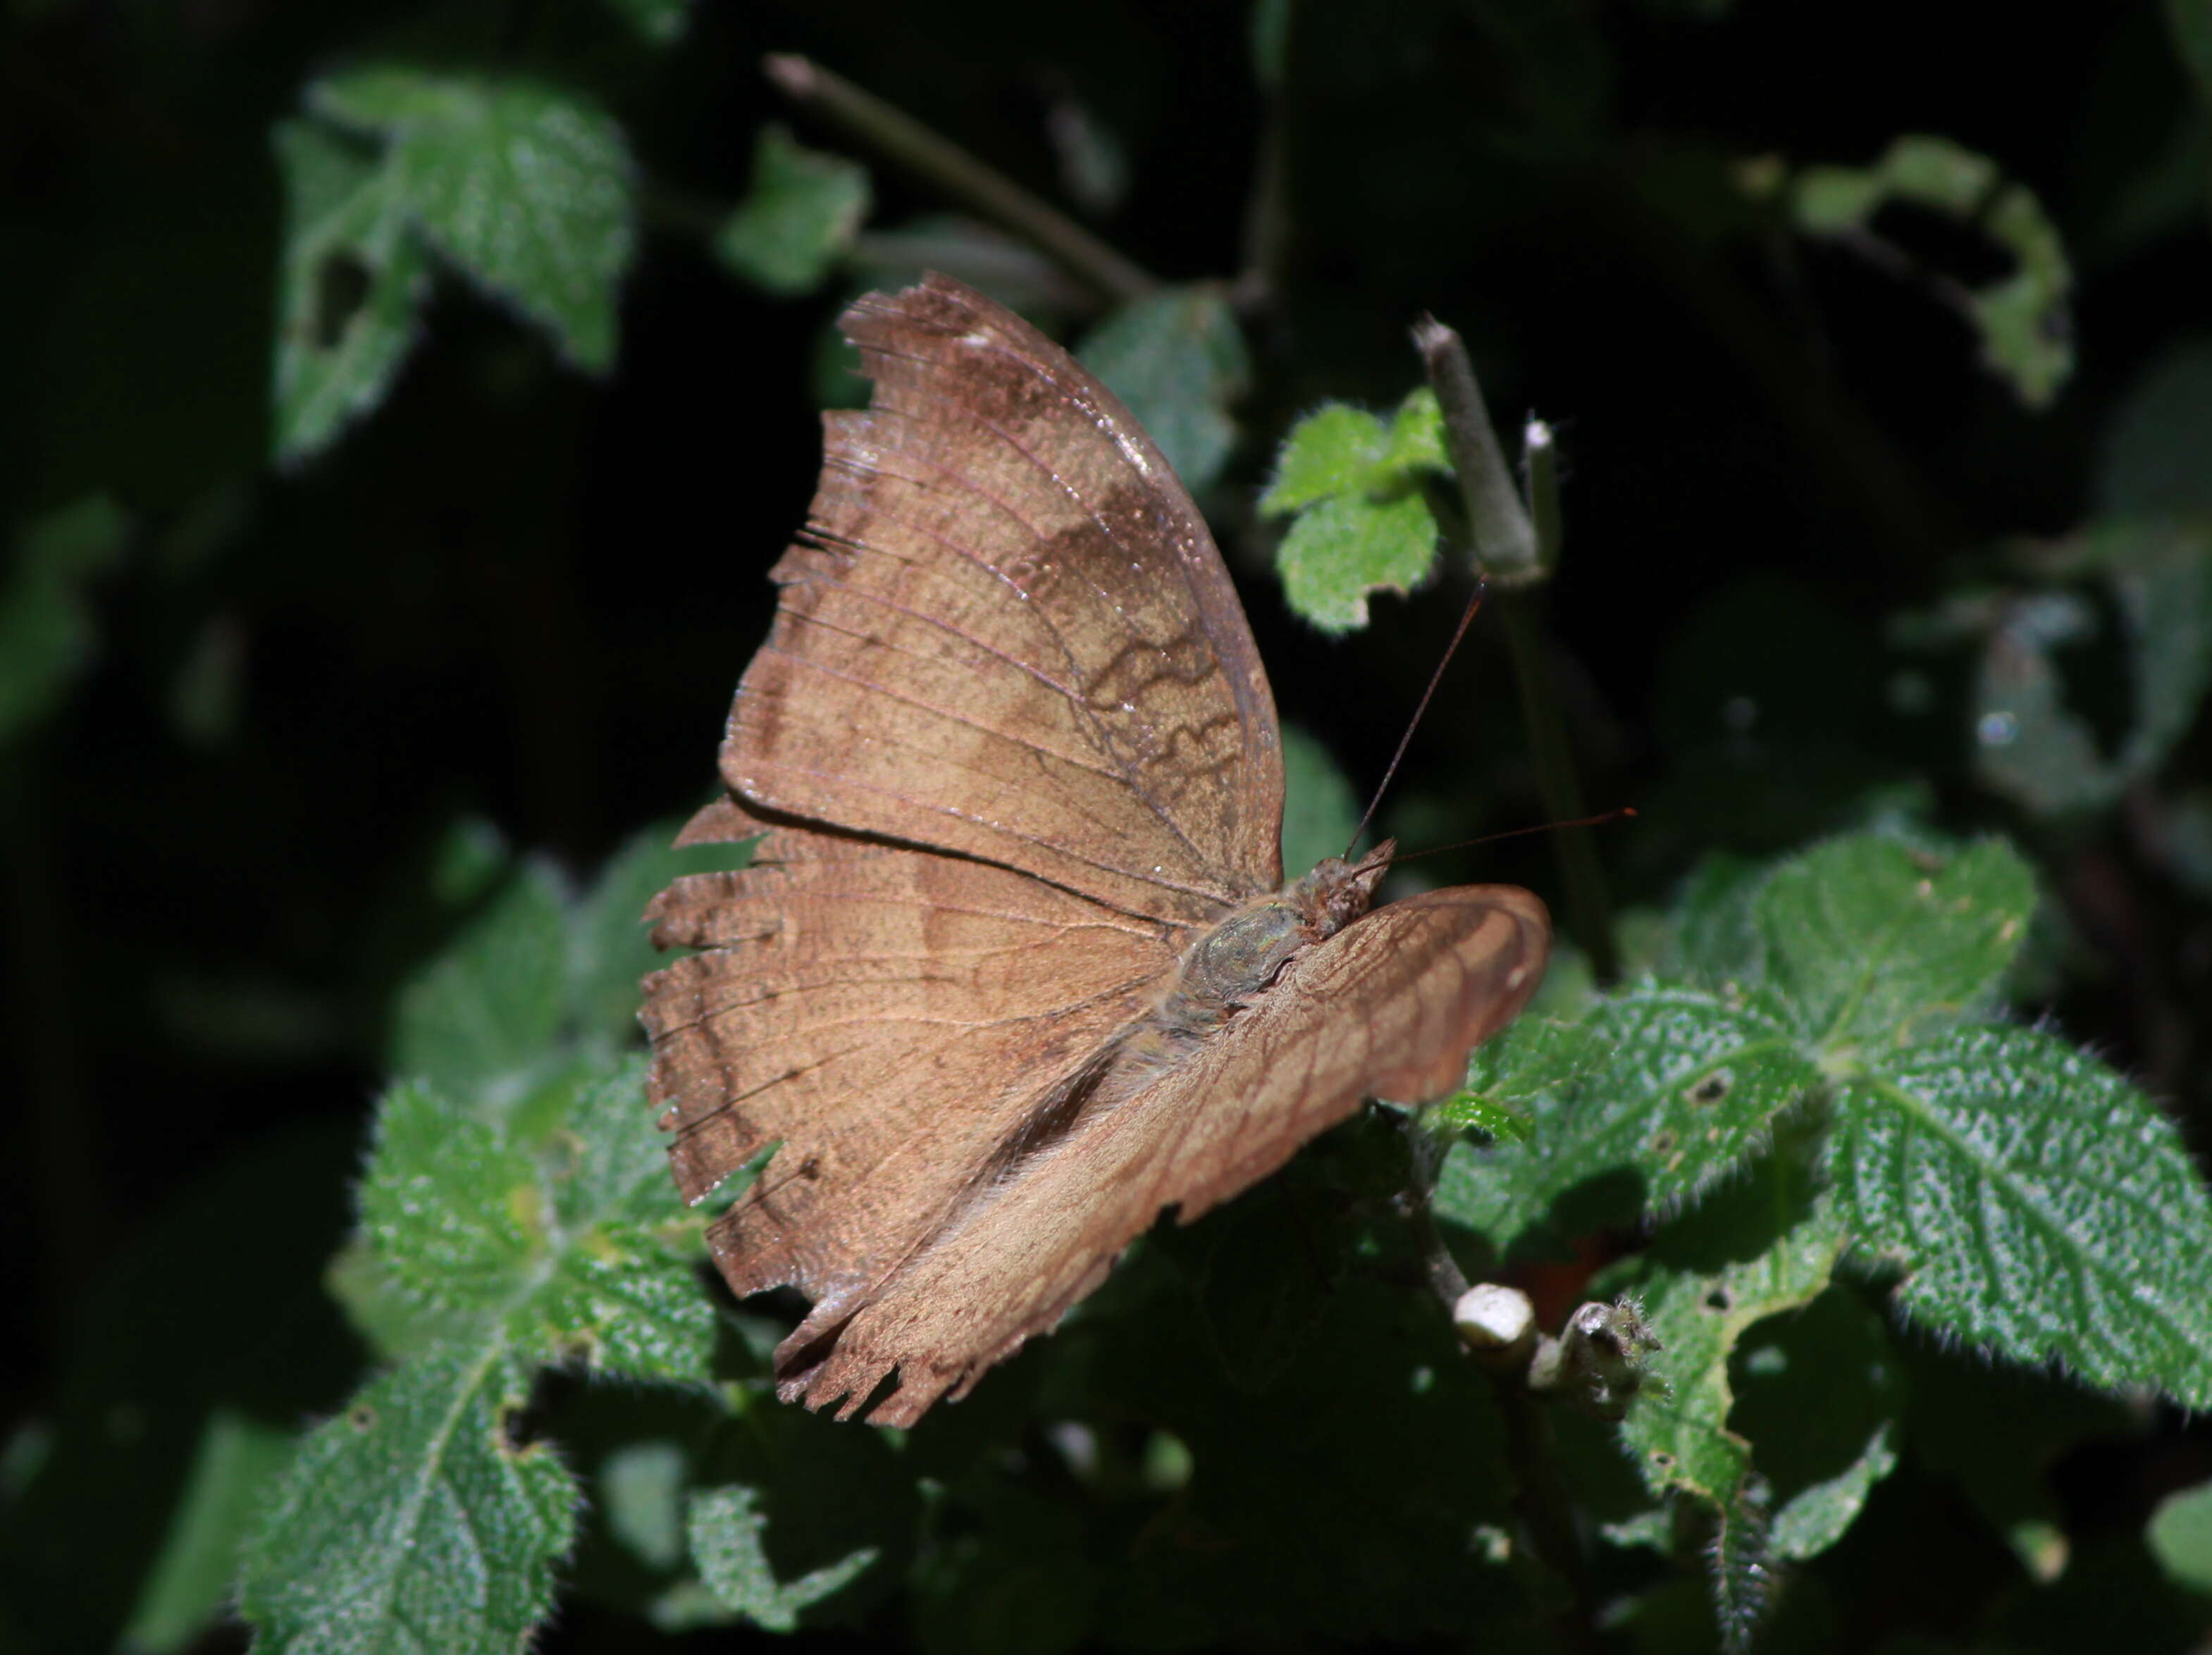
x,y
412,1521
2036,1203
351,281
725,1527
1819,1395
526,189
1680,1439
2023,317
1362,524
1673,1086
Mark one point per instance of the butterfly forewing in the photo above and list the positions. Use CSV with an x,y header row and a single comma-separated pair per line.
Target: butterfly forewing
x,y
1007,634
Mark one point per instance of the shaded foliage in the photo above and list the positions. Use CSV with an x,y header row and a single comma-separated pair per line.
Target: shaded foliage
x,y
404,403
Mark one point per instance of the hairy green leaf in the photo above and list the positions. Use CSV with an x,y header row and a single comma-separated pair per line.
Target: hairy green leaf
x,y
797,219
526,189
1334,450
1717,940
618,1295
2037,1203
1673,1086
1875,943
725,1526
1680,1439
1363,525
1349,546
1819,1393
453,1211
1523,1073
569,1248
479,1022
413,1521
350,288
1176,358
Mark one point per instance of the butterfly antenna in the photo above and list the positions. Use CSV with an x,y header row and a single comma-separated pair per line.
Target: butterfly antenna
x,y
1619,812
1412,724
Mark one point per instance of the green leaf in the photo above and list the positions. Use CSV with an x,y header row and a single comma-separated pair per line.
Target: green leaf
x,y
1342,549
1681,1440
610,946
1417,435
2180,1536
1873,942
1674,1086
1716,941
725,1526
1362,524
413,1522
1176,358
1319,809
1339,449
1332,451
617,1294
1693,1083
237,1461
573,1249
659,22
479,1022
526,189
2035,748
46,637
641,1487
351,280
798,217
2037,1203
1523,1073
1817,1396
2022,317
454,1213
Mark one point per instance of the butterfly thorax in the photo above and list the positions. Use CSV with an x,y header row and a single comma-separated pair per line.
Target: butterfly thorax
x,y
1239,960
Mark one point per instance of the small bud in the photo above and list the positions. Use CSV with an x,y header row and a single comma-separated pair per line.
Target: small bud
x,y
1497,1322
1600,1360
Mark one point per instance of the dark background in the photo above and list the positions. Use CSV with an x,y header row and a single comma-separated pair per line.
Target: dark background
x,y
518,594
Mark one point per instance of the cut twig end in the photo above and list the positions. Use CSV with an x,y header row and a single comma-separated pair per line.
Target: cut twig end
x,y
794,75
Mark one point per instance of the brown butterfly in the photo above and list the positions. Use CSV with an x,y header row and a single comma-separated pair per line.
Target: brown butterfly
x,y
1014,968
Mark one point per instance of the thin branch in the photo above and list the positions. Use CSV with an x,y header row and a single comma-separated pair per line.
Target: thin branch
x,y
1516,546
1505,542
1546,1511
951,171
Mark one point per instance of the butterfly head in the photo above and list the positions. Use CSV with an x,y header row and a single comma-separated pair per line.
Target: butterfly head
x,y
1338,892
